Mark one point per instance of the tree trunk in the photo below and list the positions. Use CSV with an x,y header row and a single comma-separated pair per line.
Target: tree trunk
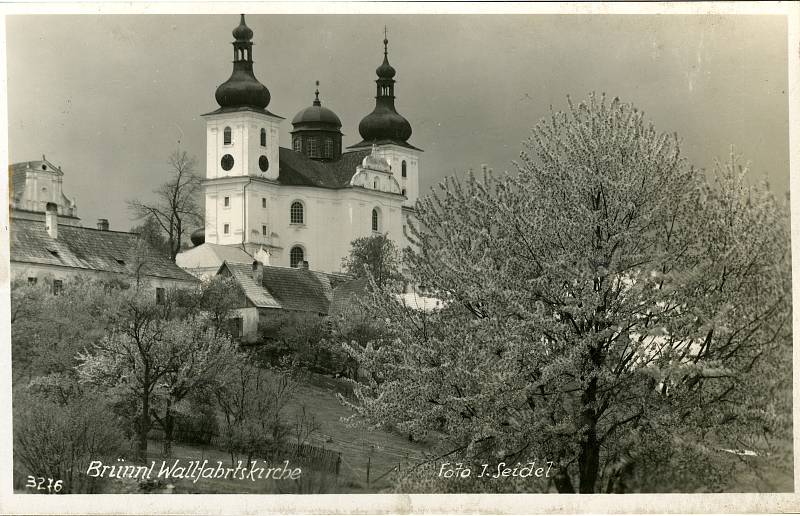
x,y
563,483
144,421
589,459
169,425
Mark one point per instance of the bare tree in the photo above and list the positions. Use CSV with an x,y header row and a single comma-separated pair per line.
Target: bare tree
x,y
175,208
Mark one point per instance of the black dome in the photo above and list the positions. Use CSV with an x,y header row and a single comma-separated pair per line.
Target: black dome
x,y
384,123
242,89
198,237
317,116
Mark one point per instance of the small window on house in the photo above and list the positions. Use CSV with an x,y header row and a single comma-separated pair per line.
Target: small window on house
x,y
226,228
263,202
263,137
236,327
375,220
227,202
32,281
58,287
54,253
226,136
296,256
121,262
403,171
403,191
296,213
159,296
375,184
263,230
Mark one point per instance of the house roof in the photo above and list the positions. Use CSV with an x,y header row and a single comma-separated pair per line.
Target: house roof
x,y
347,294
89,249
299,170
284,287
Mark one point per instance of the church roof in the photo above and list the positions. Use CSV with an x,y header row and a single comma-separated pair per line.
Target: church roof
x,y
298,170
89,249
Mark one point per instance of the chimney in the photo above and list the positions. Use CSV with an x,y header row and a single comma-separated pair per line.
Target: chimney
x,y
51,219
304,265
102,224
258,271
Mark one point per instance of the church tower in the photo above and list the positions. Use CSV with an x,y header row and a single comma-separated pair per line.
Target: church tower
x,y
389,131
242,154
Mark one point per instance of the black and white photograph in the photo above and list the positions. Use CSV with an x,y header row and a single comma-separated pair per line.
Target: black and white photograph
x,y
401,250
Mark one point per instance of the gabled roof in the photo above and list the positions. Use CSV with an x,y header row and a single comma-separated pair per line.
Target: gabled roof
x,y
88,249
255,293
299,170
283,287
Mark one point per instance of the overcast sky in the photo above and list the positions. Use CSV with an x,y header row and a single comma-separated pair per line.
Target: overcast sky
x,y
109,97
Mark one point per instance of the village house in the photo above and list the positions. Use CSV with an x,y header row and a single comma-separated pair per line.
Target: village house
x,y
49,244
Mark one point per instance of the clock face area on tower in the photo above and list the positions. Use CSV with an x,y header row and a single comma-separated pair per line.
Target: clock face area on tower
x,y
263,163
226,162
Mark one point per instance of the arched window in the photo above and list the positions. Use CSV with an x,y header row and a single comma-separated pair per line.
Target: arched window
x,y
296,213
376,220
403,172
226,136
263,137
296,256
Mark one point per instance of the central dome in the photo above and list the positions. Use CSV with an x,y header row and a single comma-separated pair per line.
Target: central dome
x,y
317,115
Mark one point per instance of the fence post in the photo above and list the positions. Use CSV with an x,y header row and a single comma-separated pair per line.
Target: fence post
x,y
368,464
338,463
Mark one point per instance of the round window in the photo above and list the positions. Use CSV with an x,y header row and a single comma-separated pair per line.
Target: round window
x,y
263,163
227,162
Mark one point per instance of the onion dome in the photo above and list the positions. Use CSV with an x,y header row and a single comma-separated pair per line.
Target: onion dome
x,y
317,115
384,124
242,89
198,237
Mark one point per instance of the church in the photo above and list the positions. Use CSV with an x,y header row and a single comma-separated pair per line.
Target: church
x,y
299,205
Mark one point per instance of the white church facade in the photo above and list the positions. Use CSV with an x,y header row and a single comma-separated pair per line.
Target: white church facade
x,y
300,205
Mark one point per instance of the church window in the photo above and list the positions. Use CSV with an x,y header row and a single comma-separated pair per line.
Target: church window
x,y
296,213
296,256
263,230
58,287
403,191
263,202
403,166
227,202
376,219
313,148
226,229
263,137
328,147
297,145
226,136
375,184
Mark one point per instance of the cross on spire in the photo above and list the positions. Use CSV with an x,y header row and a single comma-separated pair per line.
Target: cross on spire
x,y
316,95
385,40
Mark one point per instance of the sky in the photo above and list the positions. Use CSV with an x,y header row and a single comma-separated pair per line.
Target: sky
x,y
109,97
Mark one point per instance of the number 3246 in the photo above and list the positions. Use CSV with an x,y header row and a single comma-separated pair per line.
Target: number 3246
x,y
39,484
